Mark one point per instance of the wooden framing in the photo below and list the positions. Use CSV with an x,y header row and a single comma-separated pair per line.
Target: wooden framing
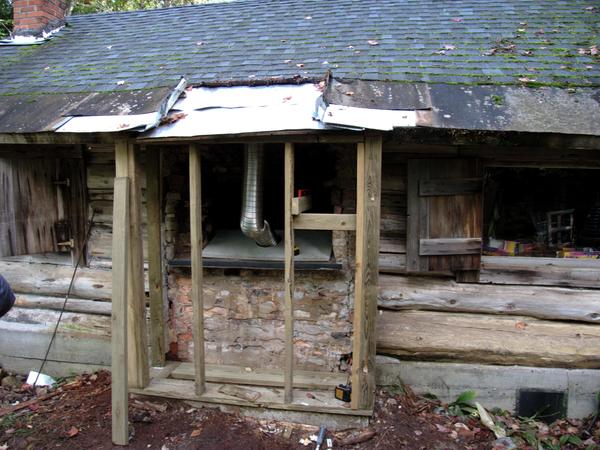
x,y
119,391
325,222
155,267
127,165
288,195
368,205
131,348
196,242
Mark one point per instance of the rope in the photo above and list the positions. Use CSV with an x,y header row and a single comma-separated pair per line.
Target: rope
x,y
83,244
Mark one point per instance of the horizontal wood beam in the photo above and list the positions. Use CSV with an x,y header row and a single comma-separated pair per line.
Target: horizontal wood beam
x,y
325,222
301,204
450,246
454,186
443,294
487,338
270,137
59,138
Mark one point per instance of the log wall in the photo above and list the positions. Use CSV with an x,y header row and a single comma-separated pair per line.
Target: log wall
x,y
541,314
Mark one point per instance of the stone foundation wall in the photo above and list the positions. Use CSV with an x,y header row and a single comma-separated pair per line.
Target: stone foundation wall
x,y
243,318
244,323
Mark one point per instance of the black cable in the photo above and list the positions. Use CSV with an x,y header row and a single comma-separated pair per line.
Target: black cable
x,y
81,249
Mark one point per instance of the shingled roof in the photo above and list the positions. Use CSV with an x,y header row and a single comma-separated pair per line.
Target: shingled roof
x,y
532,42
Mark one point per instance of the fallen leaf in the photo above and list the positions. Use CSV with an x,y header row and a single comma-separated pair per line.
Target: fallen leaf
x,y
372,42
73,431
441,428
520,325
197,432
350,93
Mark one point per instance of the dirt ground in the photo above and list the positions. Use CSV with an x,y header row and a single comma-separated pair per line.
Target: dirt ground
x,y
76,415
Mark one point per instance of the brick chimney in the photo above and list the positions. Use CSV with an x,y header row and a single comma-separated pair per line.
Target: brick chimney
x,y
34,17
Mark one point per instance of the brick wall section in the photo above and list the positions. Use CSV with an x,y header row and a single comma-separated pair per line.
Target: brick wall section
x,y
31,17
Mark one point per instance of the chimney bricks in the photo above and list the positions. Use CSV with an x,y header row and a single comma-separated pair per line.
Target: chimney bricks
x,y
33,17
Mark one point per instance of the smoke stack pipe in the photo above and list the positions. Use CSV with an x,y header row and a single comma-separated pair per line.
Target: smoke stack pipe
x,y
252,222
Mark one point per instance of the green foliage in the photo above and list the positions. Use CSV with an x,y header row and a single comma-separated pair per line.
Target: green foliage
x,y
463,405
5,18
99,6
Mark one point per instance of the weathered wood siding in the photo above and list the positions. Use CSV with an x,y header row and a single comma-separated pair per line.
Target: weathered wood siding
x,y
28,206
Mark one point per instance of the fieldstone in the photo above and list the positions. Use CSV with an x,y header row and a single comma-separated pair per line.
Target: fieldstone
x,y
10,382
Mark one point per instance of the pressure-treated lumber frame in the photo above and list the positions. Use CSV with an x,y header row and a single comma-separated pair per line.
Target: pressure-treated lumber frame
x,y
119,391
368,196
155,261
127,165
196,242
130,345
288,369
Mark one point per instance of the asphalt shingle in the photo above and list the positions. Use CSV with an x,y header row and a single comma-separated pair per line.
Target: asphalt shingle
x,y
549,42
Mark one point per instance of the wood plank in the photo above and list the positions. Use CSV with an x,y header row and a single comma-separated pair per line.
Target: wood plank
x,y
368,203
325,222
50,279
119,338
81,338
76,305
450,246
269,398
288,222
196,256
301,204
454,186
155,259
127,164
256,376
442,294
540,271
392,244
489,339
414,262
392,262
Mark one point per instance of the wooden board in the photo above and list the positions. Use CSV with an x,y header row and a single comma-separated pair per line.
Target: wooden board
x,y
439,294
288,283
76,305
81,339
127,164
196,257
324,222
50,279
540,271
301,204
439,210
269,397
119,334
28,206
304,379
368,189
155,257
449,246
488,339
